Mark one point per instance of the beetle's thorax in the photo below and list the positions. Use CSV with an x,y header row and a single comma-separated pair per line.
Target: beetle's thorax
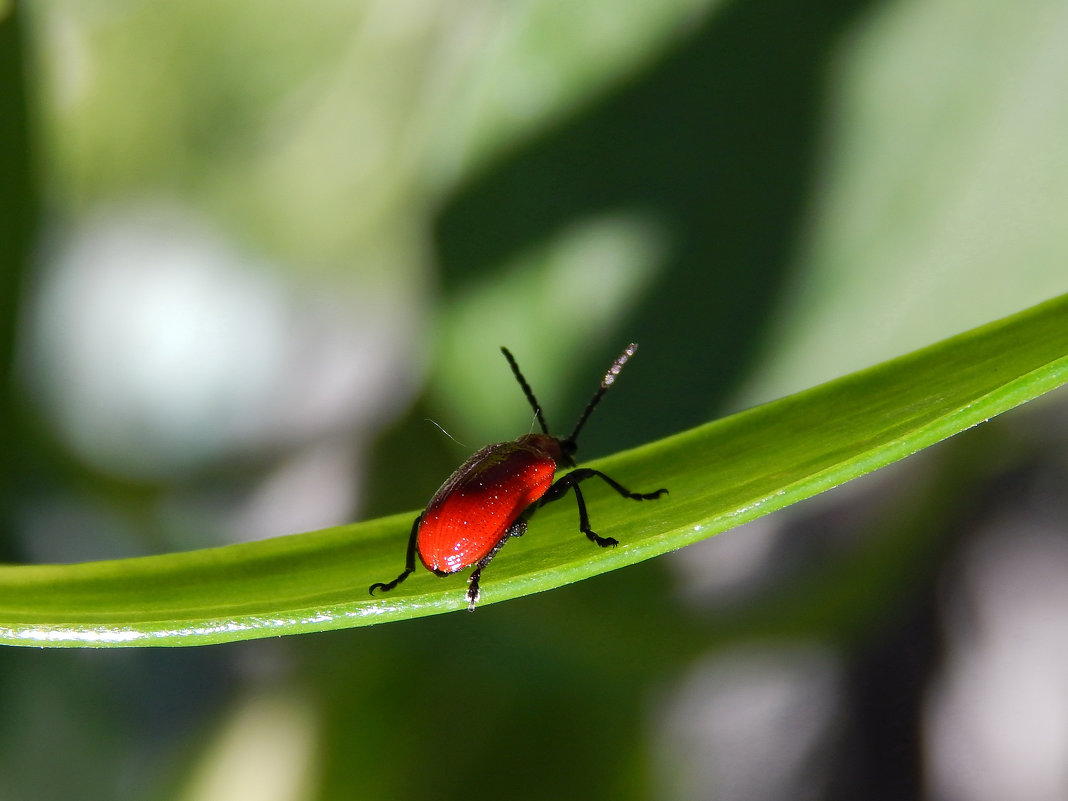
x,y
552,447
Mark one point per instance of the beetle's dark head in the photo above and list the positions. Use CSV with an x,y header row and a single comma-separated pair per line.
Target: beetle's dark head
x,y
567,452
559,450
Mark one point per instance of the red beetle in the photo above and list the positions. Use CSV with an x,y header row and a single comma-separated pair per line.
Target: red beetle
x,y
492,495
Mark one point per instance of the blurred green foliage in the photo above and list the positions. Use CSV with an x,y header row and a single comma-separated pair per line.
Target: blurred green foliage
x,y
764,193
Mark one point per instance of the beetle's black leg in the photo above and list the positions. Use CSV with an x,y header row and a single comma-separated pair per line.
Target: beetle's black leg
x,y
517,529
584,522
409,562
571,482
575,476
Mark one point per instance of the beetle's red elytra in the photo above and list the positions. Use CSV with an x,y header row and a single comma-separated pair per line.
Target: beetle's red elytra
x,y
491,496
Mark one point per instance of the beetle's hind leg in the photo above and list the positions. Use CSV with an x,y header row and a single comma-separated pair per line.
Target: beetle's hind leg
x,y
409,562
517,529
571,482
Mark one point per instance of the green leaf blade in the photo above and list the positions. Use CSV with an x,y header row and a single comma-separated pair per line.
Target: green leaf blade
x,y
720,475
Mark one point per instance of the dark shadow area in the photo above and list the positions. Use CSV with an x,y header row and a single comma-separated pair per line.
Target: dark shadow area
x,y
716,142
18,217
879,755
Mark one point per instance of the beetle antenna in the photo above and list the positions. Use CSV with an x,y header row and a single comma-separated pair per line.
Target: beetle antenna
x,y
606,382
526,390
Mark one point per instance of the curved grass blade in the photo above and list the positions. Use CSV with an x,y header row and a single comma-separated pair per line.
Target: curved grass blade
x,y
720,475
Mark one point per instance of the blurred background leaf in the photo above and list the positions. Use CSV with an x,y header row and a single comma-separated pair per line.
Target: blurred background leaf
x,y
271,241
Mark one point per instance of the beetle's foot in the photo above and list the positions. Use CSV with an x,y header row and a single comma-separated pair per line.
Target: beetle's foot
x,y
473,594
604,542
647,496
389,585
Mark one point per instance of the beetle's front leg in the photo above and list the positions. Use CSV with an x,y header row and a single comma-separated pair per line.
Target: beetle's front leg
x,y
571,482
